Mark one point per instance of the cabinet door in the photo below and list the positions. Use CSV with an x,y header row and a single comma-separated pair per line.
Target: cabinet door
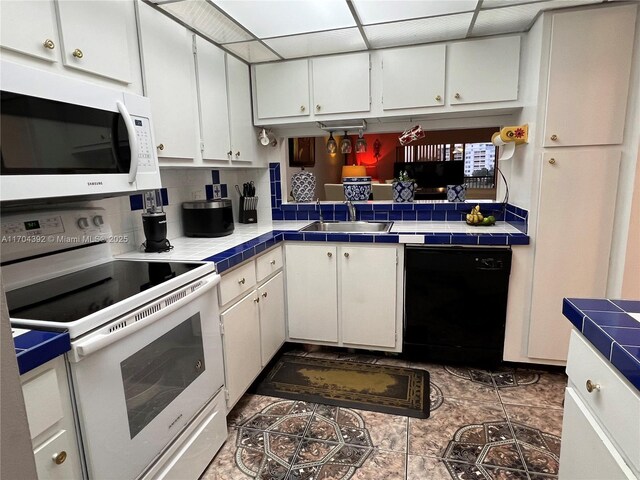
x,y
94,37
29,27
591,53
312,292
170,83
241,341
56,447
341,84
586,451
244,140
212,90
368,295
575,225
272,324
483,70
413,77
282,89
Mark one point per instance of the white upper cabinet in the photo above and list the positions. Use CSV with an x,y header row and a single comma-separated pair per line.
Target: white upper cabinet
x,y
28,27
282,89
483,70
589,68
170,81
244,142
212,88
95,39
413,77
341,84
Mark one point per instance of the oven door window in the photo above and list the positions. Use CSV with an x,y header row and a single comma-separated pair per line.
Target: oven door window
x,y
159,372
46,137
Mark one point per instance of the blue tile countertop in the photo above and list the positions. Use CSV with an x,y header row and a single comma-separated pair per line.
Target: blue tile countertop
x,y
613,327
37,347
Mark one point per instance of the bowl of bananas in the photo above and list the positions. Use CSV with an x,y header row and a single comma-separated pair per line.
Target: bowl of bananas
x,y
477,219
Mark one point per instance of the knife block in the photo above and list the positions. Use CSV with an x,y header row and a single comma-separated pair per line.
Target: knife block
x,y
248,212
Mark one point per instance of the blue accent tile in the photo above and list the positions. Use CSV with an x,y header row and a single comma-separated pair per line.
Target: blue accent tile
x,y
595,305
626,363
358,238
273,201
135,201
36,348
208,189
572,313
277,215
302,215
409,215
438,216
624,336
464,239
632,306
340,216
598,337
314,215
382,207
438,239
165,196
306,206
235,260
338,237
493,239
402,206
272,175
261,247
613,319
365,206
276,167
395,215
247,254
387,238
366,215
222,266
315,237
215,176
293,236
424,216
290,207
279,190
224,191
455,216
290,215
518,239
381,216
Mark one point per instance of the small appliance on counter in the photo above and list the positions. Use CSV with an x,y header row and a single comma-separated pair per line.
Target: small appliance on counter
x,y
207,218
154,224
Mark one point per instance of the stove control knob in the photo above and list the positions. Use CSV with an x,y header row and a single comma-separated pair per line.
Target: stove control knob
x,y
83,222
98,221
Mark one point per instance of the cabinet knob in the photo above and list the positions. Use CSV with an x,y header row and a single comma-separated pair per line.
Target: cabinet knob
x,y
552,161
78,53
59,458
264,294
160,147
554,137
256,300
318,108
592,386
229,153
238,154
329,254
241,281
272,262
438,98
48,43
346,254
302,108
457,96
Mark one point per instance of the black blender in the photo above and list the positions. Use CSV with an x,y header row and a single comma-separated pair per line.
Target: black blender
x,y
154,223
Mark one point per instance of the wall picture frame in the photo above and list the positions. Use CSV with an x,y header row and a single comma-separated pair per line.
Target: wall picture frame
x,y
302,152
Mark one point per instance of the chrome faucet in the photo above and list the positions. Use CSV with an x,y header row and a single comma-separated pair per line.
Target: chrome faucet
x,y
352,210
319,209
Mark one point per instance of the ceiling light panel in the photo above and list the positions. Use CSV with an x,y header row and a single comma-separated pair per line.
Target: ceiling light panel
x,y
381,11
252,52
504,3
275,18
205,18
319,43
517,18
435,29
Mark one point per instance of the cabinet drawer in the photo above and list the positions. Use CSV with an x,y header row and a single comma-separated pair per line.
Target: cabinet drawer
x,y
237,282
55,449
268,263
42,401
615,404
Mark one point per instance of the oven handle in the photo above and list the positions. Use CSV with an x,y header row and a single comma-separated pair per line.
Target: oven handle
x,y
133,140
92,345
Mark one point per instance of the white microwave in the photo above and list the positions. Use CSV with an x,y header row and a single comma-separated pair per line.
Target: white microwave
x,y
63,137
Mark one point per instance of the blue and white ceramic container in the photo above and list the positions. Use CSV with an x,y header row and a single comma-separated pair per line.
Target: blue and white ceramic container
x,y
456,193
404,191
357,188
303,186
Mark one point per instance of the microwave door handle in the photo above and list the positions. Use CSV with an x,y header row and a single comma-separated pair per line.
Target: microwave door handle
x,y
133,140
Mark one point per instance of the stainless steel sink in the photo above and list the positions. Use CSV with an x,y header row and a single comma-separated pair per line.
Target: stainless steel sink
x,y
349,227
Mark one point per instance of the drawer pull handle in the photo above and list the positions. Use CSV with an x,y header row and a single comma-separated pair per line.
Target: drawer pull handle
x,y
329,254
257,300
457,96
48,43
346,255
59,458
592,386
160,147
241,282
272,262
554,137
438,98
77,53
552,161
265,294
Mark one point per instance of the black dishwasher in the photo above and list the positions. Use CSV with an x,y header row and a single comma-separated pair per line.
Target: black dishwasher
x,y
455,304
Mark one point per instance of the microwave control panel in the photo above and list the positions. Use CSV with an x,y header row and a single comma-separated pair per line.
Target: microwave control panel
x,y
145,148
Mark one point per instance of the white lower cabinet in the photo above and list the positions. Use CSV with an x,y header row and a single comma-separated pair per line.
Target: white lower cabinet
x,y
345,295
252,321
48,404
601,425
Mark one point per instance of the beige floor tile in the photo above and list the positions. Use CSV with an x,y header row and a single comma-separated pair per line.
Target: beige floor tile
x,y
547,391
382,465
248,406
223,466
453,386
388,432
423,468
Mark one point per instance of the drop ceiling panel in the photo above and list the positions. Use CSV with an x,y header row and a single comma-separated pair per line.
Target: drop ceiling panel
x,y
504,3
203,17
435,29
517,18
320,43
268,18
389,10
252,52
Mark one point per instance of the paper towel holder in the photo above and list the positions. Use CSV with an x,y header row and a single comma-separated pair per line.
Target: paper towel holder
x,y
509,137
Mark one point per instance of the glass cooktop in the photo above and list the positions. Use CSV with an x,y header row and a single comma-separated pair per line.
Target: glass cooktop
x,y
77,295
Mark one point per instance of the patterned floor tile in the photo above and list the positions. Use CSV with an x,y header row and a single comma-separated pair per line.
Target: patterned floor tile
x,y
422,468
383,465
388,432
248,406
431,436
223,466
455,386
547,391
548,420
